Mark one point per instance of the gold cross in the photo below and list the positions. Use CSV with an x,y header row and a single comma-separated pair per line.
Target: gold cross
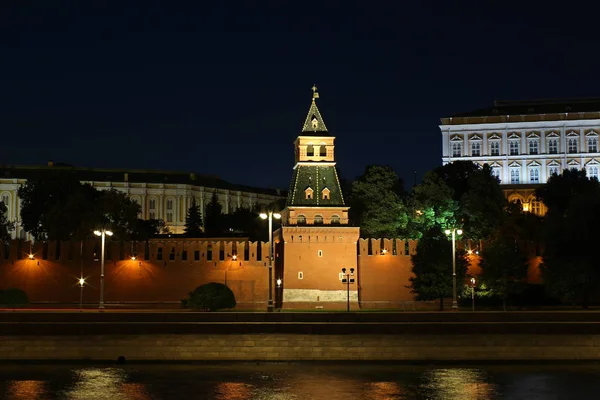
x,y
314,89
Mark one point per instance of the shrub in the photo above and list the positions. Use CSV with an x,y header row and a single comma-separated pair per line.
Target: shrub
x,y
210,297
13,297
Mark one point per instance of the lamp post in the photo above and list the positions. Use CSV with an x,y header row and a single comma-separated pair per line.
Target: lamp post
x,y
454,232
473,293
102,234
81,284
348,278
270,216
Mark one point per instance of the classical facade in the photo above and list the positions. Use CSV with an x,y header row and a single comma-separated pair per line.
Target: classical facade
x,y
525,142
161,194
317,239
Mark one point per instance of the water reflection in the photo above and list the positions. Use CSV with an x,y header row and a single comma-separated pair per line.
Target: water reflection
x,y
26,390
290,381
104,383
457,383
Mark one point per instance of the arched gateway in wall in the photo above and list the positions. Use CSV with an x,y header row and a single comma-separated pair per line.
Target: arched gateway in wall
x,y
315,241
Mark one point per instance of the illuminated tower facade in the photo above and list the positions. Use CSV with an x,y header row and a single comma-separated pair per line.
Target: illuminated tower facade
x,y
317,238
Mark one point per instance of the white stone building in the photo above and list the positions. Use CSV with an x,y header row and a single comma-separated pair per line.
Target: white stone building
x,y
161,194
525,142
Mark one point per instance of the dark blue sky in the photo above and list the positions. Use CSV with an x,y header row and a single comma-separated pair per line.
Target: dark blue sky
x,y
225,90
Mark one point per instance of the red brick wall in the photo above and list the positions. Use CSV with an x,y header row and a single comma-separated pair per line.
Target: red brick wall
x,y
142,280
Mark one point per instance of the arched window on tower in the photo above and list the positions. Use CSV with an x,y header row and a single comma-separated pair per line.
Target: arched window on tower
x,y
325,194
301,219
318,219
335,220
310,150
322,150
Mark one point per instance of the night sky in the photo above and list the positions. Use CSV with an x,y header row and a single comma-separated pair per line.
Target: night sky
x,y
225,90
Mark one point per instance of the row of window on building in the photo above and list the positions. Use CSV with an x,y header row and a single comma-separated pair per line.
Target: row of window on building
x,y
318,220
533,144
534,173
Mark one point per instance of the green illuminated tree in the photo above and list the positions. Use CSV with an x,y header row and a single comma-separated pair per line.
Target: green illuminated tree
x,y
432,267
461,194
376,203
193,221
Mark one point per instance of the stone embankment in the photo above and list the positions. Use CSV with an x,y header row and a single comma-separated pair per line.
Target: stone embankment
x,y
401,337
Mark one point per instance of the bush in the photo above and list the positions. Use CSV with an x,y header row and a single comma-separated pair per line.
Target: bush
x,y
13,297
210,297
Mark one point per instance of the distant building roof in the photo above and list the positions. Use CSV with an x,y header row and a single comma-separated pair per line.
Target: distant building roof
x,y
123,175
530,110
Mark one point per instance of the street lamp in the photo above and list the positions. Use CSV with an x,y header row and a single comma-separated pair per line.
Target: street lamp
x,y
454,232
473,293
348,278
102,234
270,216
81,284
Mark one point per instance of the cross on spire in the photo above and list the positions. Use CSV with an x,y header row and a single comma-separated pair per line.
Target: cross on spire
x,y
315,93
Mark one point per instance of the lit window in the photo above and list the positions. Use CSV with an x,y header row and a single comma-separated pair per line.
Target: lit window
x,y
592,145
536,207
533,147
310,150
301,219
475,149
552,171
308,193
495,148
335,219
514,148
496,172
592,171
515,175
572,145
323,151
553,146
456,150
534,175
318,219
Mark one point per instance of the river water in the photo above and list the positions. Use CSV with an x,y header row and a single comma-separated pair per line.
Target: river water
x,y
287,381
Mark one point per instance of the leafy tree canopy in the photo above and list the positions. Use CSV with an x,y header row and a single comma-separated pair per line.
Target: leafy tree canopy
x,y
432,267
376,203
503,267
569,267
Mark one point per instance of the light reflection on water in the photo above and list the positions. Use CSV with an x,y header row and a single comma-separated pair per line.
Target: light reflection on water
x,y
297,381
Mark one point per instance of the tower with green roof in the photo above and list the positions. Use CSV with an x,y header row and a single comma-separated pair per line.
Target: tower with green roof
x,y
317,238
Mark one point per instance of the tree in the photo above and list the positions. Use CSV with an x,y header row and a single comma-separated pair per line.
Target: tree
x,y
114,210
210,297
56,207
5,225
503,267
459,194
569,266
432,267
193,221
213,221
432,206
376,204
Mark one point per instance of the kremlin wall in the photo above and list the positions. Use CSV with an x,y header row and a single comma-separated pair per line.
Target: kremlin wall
x,y
166,270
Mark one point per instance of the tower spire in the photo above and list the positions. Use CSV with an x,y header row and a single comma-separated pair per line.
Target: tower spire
x,y
314,122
